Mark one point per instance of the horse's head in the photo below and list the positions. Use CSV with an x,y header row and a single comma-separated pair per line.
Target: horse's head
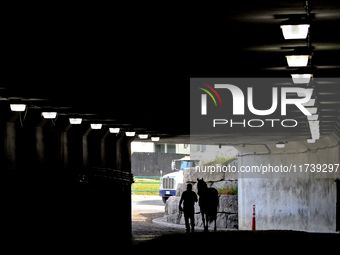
x,y
201,185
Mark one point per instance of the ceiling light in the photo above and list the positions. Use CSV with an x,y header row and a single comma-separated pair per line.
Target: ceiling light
x,y
303,94
301,78
310,140
75,120
313,117
315,131
312,110
299,31
155,139
130,133
18,107
143,136
311,102
280,145
314,122
96,126
315,136
297,60
114,130
49,115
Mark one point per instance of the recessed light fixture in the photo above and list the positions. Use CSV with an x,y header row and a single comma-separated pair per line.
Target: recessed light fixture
x,y
17,107
303,94
96,126
314,122
301,78
315,136
49,115
130,133
296,31
311,102
114,130
297,60
75,120
280,145
143,136
313,117
312,110
155,139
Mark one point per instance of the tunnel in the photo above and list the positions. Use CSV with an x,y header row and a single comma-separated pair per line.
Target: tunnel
x,y
116,66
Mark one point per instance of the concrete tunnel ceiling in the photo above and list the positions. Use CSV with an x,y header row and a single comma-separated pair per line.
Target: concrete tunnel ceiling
x,y
82,61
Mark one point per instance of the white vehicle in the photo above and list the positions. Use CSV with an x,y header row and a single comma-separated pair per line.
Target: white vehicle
x,y
171,180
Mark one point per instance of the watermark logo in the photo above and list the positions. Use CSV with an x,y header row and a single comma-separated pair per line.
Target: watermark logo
x,y
238,99
204,97
218,104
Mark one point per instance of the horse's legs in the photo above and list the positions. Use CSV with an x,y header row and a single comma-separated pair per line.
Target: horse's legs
x,y
207,223
203,220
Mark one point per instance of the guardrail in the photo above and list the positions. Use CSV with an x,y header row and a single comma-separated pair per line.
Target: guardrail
x,y
145,177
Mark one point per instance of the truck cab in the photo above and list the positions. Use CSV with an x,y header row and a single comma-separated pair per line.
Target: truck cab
x,y
170,181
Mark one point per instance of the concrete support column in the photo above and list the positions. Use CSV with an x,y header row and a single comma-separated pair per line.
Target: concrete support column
x,y
10,143
301,199
64,147
109,150
123,153
123,157
92,148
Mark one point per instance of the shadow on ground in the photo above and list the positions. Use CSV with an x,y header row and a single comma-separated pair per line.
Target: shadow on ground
x,y
272,241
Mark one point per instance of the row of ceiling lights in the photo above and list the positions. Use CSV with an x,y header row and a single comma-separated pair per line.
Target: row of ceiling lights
x,y
77,121
299,29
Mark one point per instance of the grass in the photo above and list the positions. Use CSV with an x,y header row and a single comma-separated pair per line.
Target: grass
x,y
154,186
228,191
224,161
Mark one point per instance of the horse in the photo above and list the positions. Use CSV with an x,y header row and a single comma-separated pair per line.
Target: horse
x,y
208,202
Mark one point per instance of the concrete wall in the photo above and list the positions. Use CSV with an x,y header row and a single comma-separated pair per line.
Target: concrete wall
x,y
305,201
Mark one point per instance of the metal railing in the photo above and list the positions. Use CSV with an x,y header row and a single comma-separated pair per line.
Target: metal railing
x,y
145,177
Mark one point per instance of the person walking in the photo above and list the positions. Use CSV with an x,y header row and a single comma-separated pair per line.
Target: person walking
x,y
189,198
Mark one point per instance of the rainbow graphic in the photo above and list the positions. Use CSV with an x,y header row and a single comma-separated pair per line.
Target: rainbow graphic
x,y
209,93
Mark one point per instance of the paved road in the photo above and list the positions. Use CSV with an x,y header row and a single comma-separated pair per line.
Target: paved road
x,y
147,203
144,210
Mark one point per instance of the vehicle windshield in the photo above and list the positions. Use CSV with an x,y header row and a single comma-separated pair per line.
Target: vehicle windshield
x,y
187,163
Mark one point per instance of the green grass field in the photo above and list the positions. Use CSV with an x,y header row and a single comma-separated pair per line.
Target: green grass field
x,y
152,187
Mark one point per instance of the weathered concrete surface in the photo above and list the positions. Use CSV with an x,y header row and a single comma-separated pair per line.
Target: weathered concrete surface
x,y
306,202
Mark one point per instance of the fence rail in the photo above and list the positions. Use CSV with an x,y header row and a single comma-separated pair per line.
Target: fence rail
x,y
145,177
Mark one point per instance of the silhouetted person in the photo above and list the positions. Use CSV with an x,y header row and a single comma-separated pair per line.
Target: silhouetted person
x,y
190,198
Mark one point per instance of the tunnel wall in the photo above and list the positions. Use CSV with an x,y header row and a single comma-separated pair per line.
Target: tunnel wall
x,y
42,163
305,201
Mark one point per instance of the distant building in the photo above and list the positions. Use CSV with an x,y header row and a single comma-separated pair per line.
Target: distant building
x,y
160,147
210,152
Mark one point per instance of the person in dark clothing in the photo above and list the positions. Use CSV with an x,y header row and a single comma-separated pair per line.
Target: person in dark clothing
x,y
190,198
